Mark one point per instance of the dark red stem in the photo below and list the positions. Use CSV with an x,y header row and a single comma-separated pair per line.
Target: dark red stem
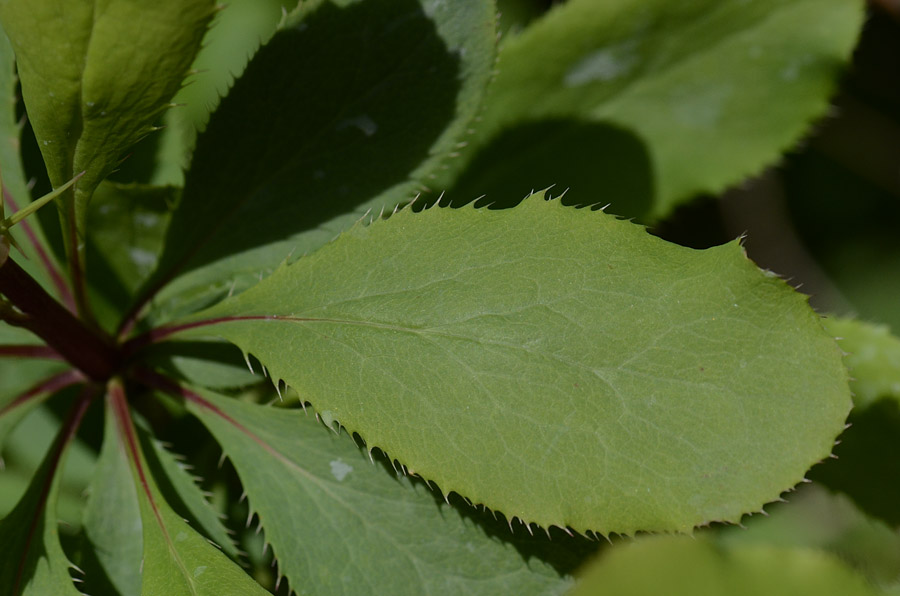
x,y
45,387
160,333
29,351
46,318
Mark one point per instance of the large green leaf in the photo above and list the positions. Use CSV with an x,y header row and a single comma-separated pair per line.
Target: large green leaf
x,y
96,75
344,110
339,523
556,364
679,566
873,358
177,560
652,102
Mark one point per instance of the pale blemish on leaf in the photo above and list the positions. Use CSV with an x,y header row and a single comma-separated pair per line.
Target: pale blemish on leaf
x,y
340,469
362,122
604,65
700,106
144,260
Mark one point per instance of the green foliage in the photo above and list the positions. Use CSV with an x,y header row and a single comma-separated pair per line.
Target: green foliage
x,y
500,310
387,532
681,565
665,97
461,399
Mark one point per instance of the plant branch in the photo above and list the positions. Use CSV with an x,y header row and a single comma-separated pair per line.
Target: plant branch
x,y
28,351
158,334
45,387
56,276
85,349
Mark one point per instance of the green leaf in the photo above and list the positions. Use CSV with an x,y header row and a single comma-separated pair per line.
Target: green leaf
x,y
96,76
177,559
867,464
873,358
183,493
556,364
234,36
51,39
300,148
28,236
18,377
682,565
33,563
26,448
112,519
865,543
216,365
339,523
663,100
128,225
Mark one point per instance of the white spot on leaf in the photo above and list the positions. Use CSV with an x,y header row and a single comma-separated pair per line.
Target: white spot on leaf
x,y
142,259
604,64
700,107
340,469
146,220
362,122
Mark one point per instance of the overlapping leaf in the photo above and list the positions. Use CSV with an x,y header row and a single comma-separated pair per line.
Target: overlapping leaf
x,y
556,364
683,566
340,524
653,102
347,108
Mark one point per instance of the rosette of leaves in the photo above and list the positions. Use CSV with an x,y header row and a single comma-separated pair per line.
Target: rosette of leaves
x,y
554,366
